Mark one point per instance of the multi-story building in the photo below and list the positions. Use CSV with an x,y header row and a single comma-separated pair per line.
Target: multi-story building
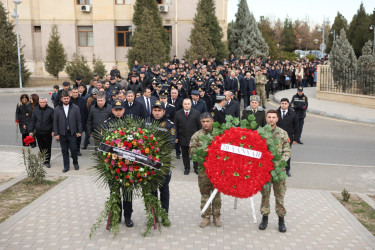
x,y
99,27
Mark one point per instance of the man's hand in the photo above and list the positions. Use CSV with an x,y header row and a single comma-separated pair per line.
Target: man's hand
x,y
176,140
31,134
79,134
52,134
57,137
294,142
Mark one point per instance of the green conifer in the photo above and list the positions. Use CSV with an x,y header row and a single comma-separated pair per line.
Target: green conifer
x,y
79,67
287,37
338,24
99,67
358,33
55,54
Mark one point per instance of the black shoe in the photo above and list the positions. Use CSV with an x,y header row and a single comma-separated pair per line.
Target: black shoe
x,y
129,222
288,173
47,165
84,147
65,170
186,172
264,223
282,227
196,170
76,167
79,154
178,157
299,142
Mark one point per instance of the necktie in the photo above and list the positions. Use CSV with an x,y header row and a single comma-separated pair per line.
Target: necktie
x,y
130,104
283,114
173,101
254,111
187,114
148,107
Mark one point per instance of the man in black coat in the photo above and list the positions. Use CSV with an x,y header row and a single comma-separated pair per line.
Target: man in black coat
x,y
300,104
288,121
66,87
81,103
256,110
218,111
175,100
67,127
42,122
187,122
233,107
98,114
248,88
197,103
132,107
231,83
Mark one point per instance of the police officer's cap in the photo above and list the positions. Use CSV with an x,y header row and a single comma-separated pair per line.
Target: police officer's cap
x,y
94,92
255,98
163,74
195,92
220,98
174,79
66,83
179,82
199,79
78,78
114,92
158,104
201,89
300,89
117,104
154,82
142,72
134,69
159,85
95,74
163,94
134,76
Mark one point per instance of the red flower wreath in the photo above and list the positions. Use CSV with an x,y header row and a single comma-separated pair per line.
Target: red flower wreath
x,y
235,174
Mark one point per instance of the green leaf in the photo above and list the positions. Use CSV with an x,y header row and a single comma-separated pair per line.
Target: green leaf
x,y
236,174
226,158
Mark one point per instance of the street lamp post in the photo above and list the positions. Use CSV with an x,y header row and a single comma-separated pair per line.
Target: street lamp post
x,y
299,43
334,35
15,15
372,28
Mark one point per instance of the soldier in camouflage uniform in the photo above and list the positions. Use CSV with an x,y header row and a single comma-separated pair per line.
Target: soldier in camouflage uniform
x,y
279,188
260,83
205,185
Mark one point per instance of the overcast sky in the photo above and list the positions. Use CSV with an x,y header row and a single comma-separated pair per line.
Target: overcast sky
x,y
314,10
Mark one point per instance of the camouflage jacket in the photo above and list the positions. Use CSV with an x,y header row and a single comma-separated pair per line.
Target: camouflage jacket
x,y
284,146
261,78
195,141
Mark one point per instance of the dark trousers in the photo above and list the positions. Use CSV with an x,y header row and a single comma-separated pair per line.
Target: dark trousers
x,y
239,96
67,142
178,148
268,89
185,156
246,101
79,143
45,143
87,140
287,168
127,205
164,192
301,121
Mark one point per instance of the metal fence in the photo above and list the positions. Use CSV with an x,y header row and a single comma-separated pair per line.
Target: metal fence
x,y
359,82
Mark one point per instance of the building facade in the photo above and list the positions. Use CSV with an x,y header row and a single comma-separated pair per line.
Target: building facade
x,y
99,27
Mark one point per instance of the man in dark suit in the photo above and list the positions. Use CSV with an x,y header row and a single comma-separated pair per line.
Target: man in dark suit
x,y
231,83
147,101
233,106
132,107
197,103
248,88
187,121
175,100
288,121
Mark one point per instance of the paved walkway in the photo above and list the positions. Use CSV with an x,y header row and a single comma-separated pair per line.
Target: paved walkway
x,y
62,218
330,108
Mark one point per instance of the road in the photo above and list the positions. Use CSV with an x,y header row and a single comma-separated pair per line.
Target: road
x,y
336,154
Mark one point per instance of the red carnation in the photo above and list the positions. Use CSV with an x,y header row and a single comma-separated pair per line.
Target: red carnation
x,y
138,175
107,141
303,107
152,147
115,177
17,121
127,177
28,140
111,144
117,170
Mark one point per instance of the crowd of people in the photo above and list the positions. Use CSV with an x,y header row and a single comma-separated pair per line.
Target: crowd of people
x,y
180,95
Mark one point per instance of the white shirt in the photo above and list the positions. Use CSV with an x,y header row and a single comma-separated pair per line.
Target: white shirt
x,y
187,111
66,110
148,101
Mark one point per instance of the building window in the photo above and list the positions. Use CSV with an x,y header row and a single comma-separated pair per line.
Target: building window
x,y
169,30
85,36
83,2
122,2
37,29
123,34
160,1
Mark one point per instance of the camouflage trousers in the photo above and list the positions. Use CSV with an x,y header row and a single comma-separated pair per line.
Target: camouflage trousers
x,y
261,91
206,188
279,189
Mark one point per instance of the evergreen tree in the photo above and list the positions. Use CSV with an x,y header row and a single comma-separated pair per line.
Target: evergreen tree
x,y
9,70
215,33
366,69
343,61
287,37
269,37
79,67
99,67
138,18
147,41
358,33
229,34
200,44
246,38
55,54
339,24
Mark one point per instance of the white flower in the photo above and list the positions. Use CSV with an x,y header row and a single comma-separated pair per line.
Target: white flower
x,y
130,137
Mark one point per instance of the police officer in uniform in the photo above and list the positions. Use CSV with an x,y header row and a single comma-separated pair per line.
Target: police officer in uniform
x,y
300,104
279,188
118,112
165,125
205,97
256,110
197,103
217,111
170,110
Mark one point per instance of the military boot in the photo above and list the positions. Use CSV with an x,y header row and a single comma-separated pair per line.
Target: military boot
x,y
264,223
217,221
282,227
205,222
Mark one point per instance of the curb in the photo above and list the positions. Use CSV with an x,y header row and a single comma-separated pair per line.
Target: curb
x,y
25,90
